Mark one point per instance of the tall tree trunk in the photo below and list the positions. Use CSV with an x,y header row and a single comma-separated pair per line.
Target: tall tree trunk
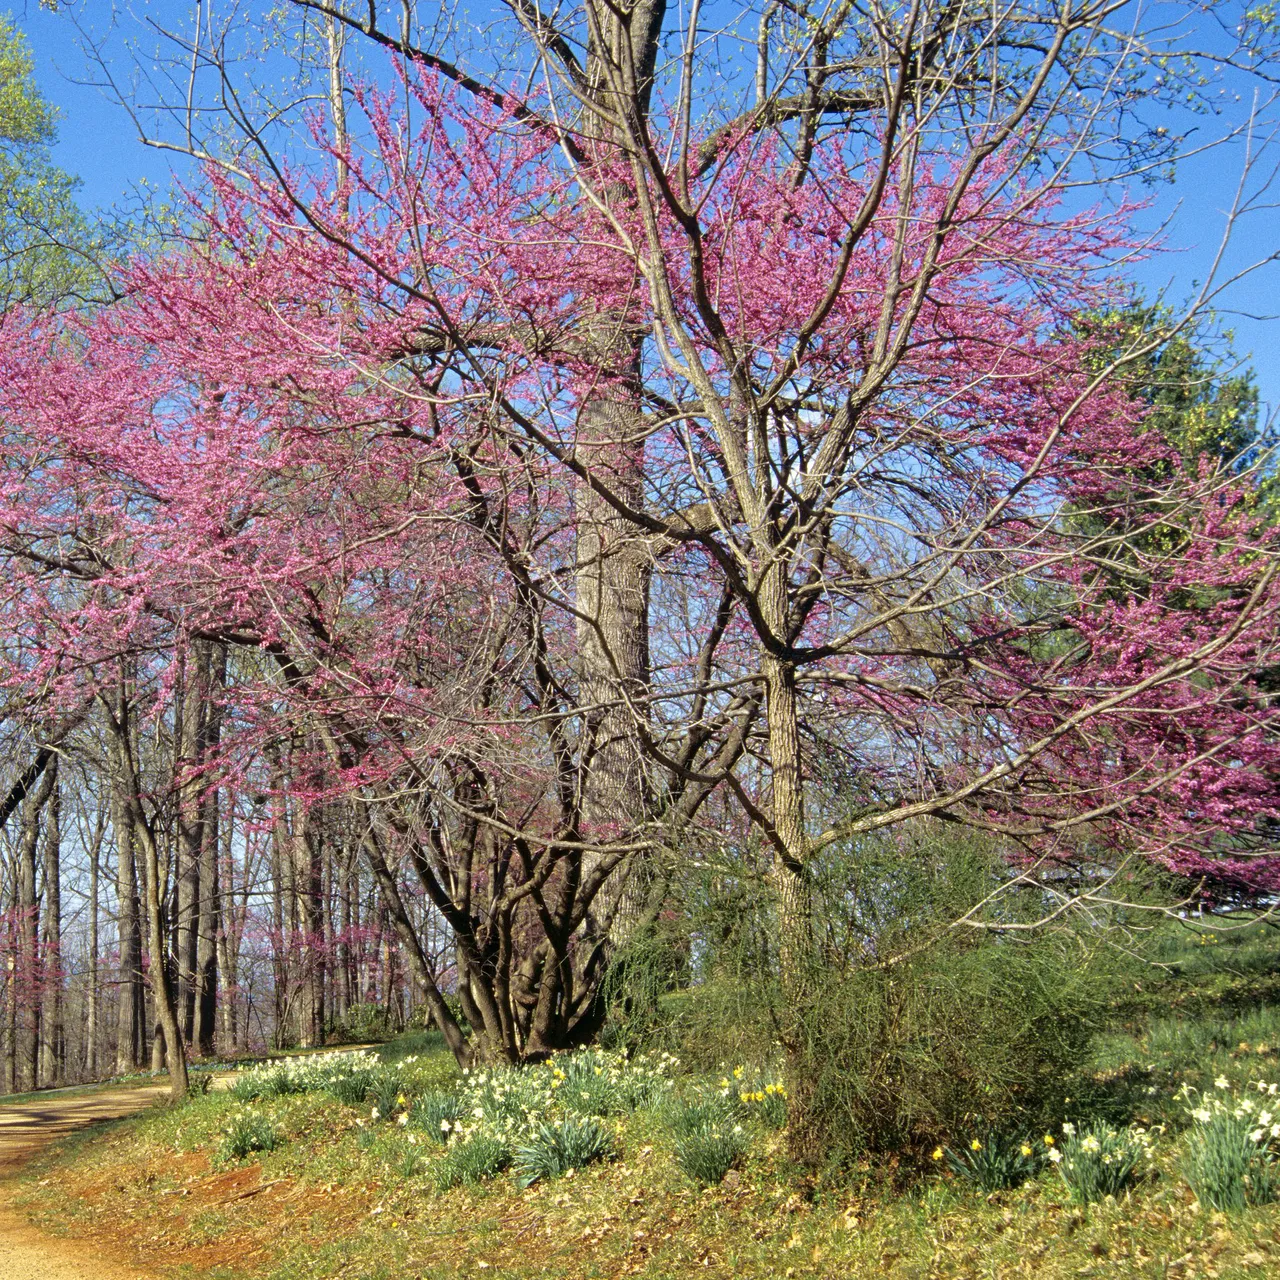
x,y
790,874
129,1029
613,556
28,985
309,934
167,1029
213,671
92,1015
228,1032
53,1043
189,714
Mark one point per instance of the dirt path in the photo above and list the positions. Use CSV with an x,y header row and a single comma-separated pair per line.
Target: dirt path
x,y
25,1253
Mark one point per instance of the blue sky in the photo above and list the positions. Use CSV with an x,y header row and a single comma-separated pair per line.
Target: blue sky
x,y
98,143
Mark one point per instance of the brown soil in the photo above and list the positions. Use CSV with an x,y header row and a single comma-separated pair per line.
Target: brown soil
x,y
25,1129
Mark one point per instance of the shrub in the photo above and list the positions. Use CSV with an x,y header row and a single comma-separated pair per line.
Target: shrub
x,y
435,1114
554,1149
474,1160
993,1162
1229,1161
909,1026
246,1134
708,1151
199,1084
1099,1160
364,1023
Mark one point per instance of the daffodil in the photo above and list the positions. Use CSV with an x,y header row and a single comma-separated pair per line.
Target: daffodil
x,y
937,1153
975,1145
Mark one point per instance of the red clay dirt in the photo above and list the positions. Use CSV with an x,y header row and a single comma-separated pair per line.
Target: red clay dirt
x,y
25,1129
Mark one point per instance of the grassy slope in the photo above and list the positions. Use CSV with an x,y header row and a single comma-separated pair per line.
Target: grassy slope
x,y
335,1201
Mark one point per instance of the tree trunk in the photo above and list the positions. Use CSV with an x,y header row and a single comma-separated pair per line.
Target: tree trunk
x,y
28,986
129,1030
91,1030
228,1026
309,932
168,1033
53,1044
789,874
213,671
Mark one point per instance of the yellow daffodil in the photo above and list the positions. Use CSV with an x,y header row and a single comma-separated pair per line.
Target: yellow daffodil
x,y
975,1145
937,1153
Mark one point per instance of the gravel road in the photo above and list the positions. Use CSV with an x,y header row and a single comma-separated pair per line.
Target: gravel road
x,y
25,1253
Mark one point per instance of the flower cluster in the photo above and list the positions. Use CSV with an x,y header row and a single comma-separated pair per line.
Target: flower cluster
x,y
1261,1114
1230,1160
512,1102
1101,1160
994,1161
308,1074
755,1095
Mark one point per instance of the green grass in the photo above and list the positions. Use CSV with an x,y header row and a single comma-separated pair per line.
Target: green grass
x,y
346,1196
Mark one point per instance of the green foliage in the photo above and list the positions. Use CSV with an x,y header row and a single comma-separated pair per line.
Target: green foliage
x,y
909,1026
352,1088
685,1117
408,1162
1196,399
386,1092
47,252
365,1023
994,1162
555,1148
247,1133
435,1114
417,1044
272,1082
1226,1169
1100,1160
474,1160
707,1140
1230,1161
707,1151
